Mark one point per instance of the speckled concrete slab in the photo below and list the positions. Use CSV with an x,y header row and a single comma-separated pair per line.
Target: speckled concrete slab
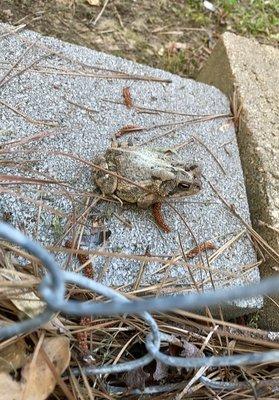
x,y
65,98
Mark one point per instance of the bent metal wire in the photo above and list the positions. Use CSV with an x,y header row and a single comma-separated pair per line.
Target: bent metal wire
x,y
53,288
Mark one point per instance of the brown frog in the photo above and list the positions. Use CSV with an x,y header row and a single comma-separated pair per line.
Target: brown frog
x,y
149,175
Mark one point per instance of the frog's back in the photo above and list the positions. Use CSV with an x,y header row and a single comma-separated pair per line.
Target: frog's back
x,y
138,163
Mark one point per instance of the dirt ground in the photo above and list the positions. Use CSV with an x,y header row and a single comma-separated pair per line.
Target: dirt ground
x,y
175,35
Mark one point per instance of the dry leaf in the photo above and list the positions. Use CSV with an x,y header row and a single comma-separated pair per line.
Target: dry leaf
x,y
93,2
190,350
41,381
13,356
200,248
136,379
28,303
176,47
161,371
14,392
127,97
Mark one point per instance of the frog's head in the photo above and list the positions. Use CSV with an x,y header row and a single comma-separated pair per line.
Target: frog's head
x,y
188,181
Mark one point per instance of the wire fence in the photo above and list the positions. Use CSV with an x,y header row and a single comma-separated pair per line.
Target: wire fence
x,y
53,289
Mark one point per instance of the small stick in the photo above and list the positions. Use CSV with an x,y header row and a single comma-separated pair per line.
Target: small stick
x,y
273,228
25,116
116,75
17,62
142,109
119,18
128,129
26,139
13,31
100,14
141,270
88,66
24,69
81,106
210,152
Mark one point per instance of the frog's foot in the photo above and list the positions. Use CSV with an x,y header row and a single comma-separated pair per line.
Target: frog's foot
x,y
159,219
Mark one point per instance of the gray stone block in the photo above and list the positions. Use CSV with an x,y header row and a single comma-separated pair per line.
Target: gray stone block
x,y
249,70
50,90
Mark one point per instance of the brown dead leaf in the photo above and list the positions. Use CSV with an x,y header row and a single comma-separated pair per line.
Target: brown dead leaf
x,y
28,303
136,379
127,97
14,392
13,356
200,248
190,350
161,371
176,47
95,3
41,381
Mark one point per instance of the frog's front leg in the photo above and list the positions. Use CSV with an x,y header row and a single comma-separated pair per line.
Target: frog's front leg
x,y
104,180
146,200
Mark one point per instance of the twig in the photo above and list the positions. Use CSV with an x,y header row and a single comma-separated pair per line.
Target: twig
x,y
115,75
158,137
16,63
13,31
119,17
25,116
273,228
24,69
269,249
142,109
83,107
100,14
128,129
4,178
27,139
189,121
210,152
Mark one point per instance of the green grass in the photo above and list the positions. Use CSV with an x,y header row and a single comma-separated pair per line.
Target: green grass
x,y
254,17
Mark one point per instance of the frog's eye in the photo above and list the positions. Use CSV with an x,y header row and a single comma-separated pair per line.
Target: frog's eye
x,y
184,185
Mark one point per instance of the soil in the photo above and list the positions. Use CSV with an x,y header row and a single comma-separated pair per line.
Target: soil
x,y
174,35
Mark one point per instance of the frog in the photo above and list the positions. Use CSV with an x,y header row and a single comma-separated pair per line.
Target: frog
x,y
144,176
